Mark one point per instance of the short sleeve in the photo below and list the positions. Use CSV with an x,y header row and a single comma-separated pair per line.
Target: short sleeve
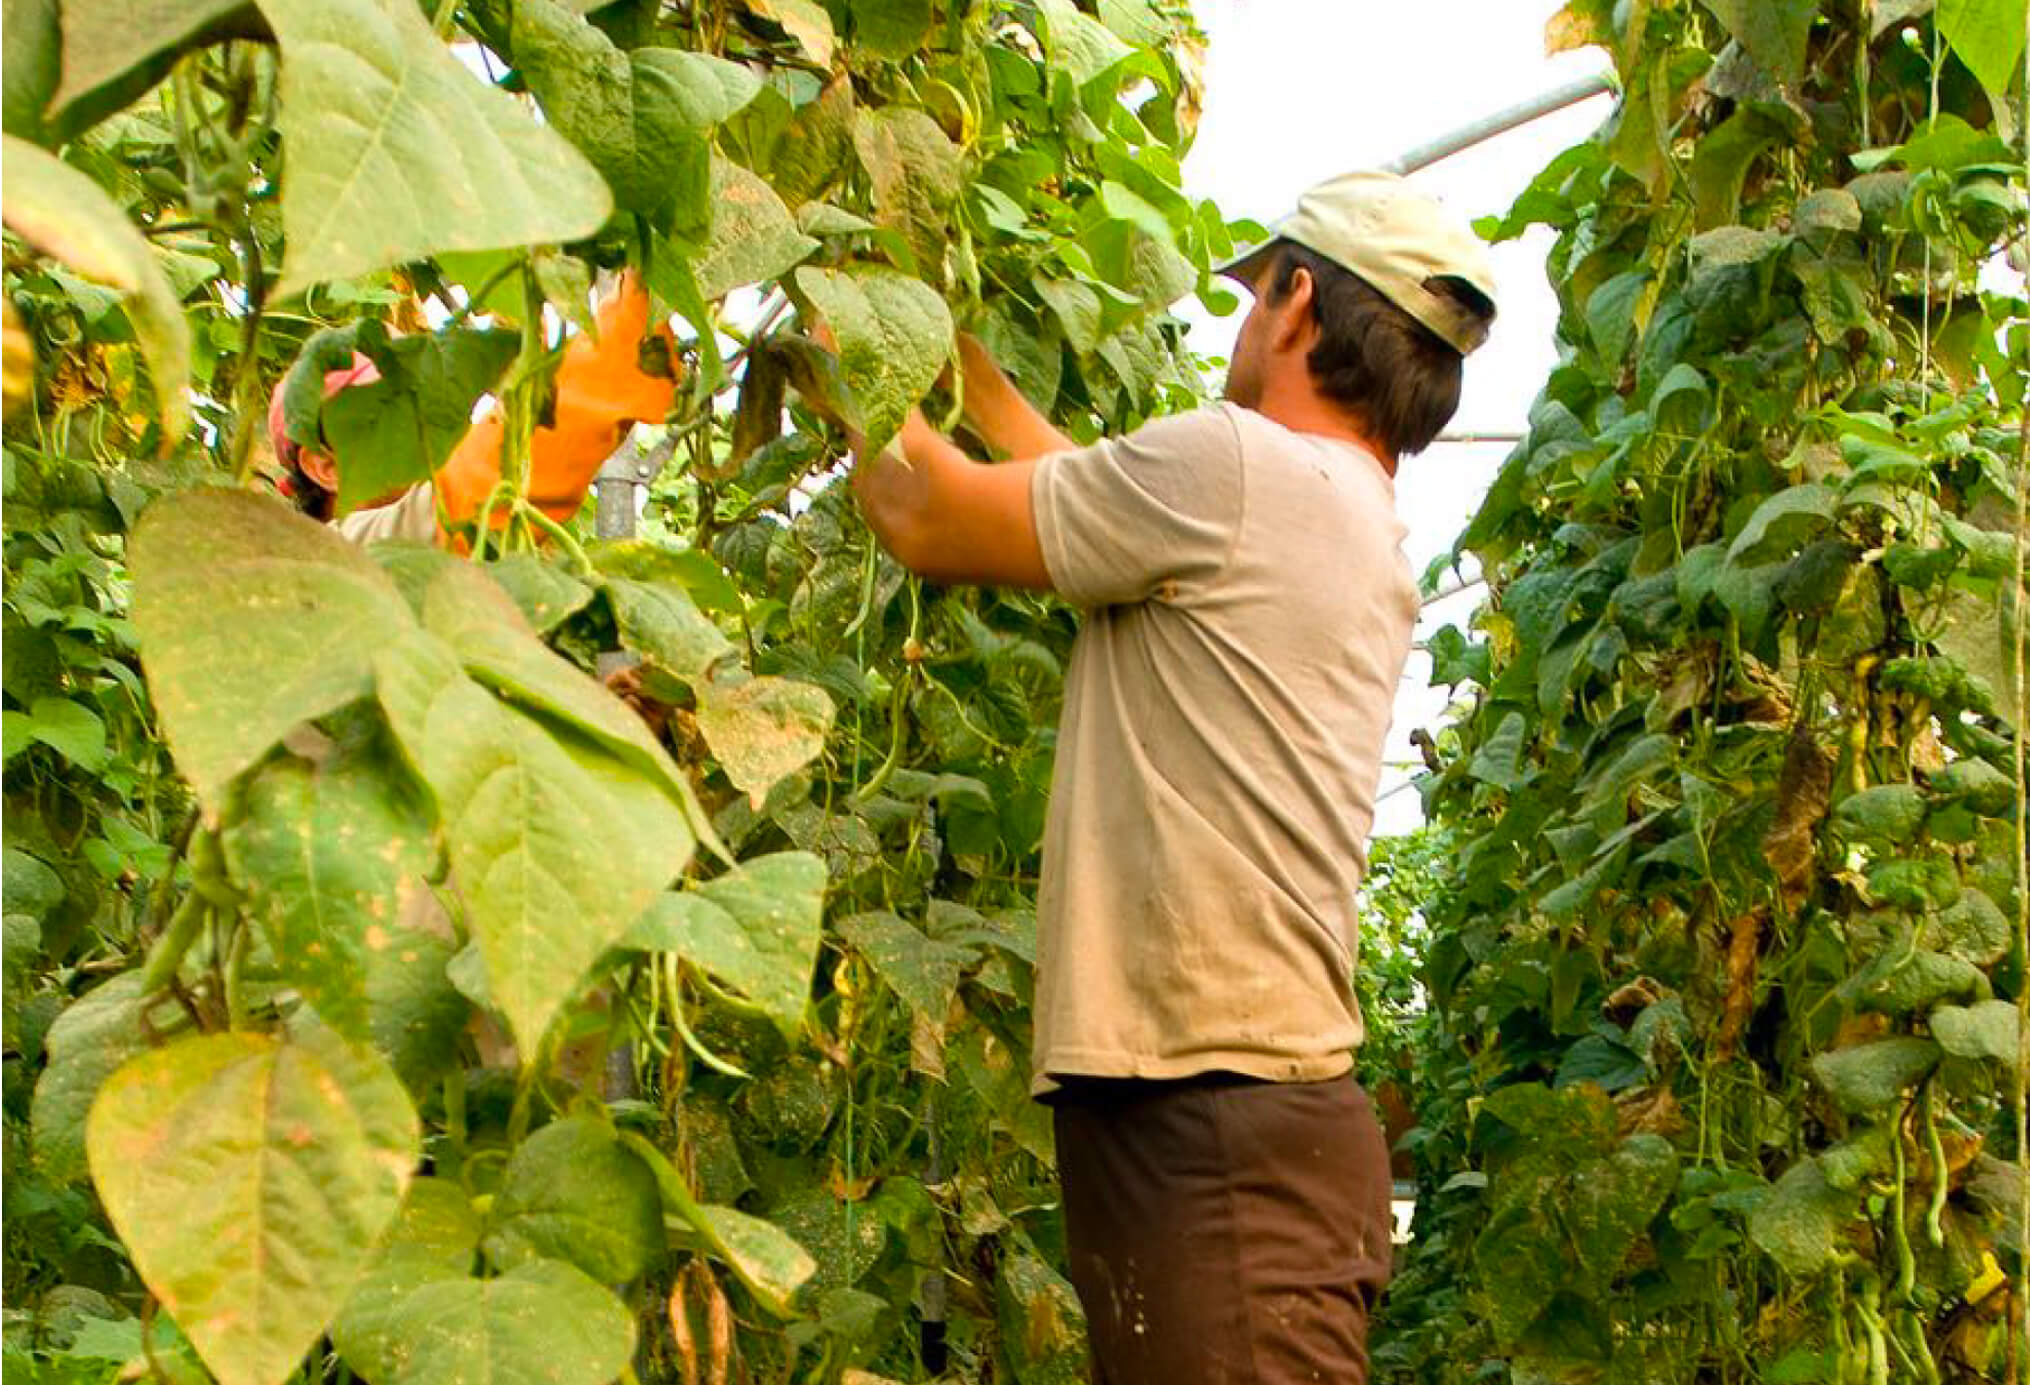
x,y
412,516
1149,514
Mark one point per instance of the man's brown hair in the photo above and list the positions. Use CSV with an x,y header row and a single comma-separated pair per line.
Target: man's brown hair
x,y
1395,376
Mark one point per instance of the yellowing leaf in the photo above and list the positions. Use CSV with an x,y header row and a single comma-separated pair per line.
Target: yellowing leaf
x,y
253,619
251,1178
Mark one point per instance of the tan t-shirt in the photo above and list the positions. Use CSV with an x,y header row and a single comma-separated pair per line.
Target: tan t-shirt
x,y
413,515
1250,612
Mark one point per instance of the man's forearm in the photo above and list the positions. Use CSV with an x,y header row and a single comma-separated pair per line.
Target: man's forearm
x,y
947,517
998,412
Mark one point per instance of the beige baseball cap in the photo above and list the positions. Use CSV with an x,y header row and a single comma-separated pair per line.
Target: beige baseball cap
x,y
1378,226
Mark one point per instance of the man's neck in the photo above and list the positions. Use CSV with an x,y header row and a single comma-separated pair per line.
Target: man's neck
x,y
1307,411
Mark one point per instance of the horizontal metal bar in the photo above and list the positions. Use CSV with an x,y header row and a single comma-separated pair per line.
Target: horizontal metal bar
x,y
1501,122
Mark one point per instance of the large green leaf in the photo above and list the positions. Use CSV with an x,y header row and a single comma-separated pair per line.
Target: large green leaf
x,y
543,1323
414,1013
1988,36
641,117
574,1192
253,619
894,335
394,432
64,214
496,644
322,849
916,172
1868,1078
891,28
398,151
556,845
250,1178
762,729
756,928
753,236
101,43
1986,1030
89,1041
1773,31
661,622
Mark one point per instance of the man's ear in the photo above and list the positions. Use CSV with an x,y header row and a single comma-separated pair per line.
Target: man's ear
x,y
322,470
1292,322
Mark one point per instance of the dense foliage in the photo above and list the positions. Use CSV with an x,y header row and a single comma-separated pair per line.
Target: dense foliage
x,y
430,1016
1727,966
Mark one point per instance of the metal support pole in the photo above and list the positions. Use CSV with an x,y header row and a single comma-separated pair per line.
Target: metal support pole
x,y
1501,122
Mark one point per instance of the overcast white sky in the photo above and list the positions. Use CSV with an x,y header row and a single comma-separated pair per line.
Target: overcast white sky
x,y
1299,90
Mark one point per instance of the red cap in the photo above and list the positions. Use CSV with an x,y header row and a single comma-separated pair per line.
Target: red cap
x,y
361,372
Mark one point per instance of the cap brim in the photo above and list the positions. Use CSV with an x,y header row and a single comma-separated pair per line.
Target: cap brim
x,y
1249,262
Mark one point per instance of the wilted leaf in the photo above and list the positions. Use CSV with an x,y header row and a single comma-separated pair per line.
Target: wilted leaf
x,y
761,729
252,619
251,1178
63,214
398,151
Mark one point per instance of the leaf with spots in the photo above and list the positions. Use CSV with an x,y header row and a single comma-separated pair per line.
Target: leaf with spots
x,y
543,1323
556,844
251,1178
322,847
894,335
761,729
917,173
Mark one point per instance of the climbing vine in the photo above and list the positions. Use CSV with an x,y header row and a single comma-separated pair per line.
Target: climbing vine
x,y
1726,969
386,1000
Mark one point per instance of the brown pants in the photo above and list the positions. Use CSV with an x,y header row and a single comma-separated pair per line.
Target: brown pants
x,y
1224,1231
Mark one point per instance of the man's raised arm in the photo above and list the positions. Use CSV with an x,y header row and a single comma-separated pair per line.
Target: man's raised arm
x,y
998,412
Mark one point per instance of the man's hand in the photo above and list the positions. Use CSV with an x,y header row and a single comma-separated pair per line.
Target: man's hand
x,y
943,515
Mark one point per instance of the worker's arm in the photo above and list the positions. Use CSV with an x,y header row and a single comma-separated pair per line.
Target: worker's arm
x,y
947,517
998,412
601,391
